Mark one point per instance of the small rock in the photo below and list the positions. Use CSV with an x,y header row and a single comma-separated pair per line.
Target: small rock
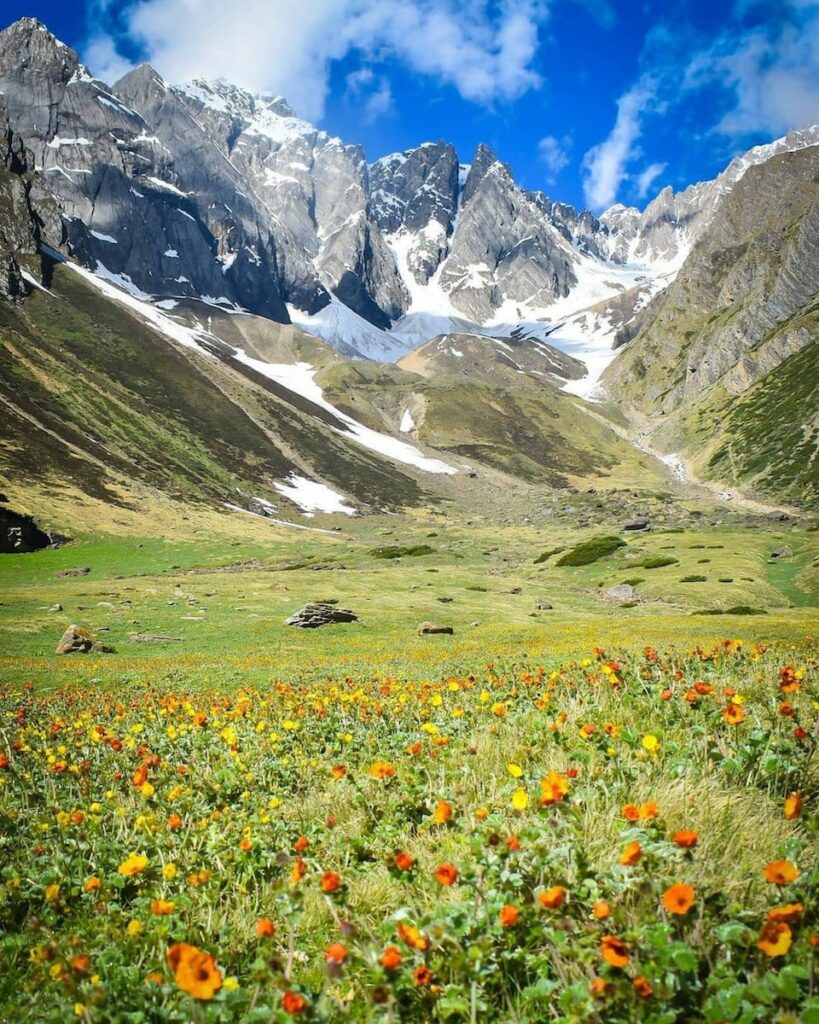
x,y
543,606
637,525
152,638
56,608
430,628
67,573
516,590
106,604
622,592
785,552
79,641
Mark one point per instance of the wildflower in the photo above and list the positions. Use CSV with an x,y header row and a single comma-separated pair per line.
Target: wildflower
x,y
553,898
733,713
298,871
651,743
133,865
599,988
301,844
442,813
648,811
787,914
514,770
134,928
162,907
382,770
642,987
520,799
793,806
92,884
686,838
508,915
174,822
679,898
330,881
169,872
404,861
422,976
293,1003
411,935
775,938
512,843
631,854
482,813
335,954
499,709
80,963
601,910
552,789
195,971
391,958
631,812
265,929
614,951
446,874
781,872
52,893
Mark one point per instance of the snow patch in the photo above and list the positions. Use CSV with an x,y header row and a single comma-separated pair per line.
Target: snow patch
x,y
104,238
407,422
312,496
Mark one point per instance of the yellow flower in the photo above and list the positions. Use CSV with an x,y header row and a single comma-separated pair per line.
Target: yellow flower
x,y
133,865
169,872
52,893
79,1009
514,770
134,928
520,799
231,984
651,743
147,790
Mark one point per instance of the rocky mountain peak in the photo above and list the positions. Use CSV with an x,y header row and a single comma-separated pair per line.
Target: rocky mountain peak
x,y
483,160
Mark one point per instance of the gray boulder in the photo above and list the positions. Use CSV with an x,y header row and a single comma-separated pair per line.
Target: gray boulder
x,y
432,628
313,616
622,592
76,640
637,525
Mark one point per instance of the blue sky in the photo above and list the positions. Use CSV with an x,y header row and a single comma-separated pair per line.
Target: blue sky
x,y
593,101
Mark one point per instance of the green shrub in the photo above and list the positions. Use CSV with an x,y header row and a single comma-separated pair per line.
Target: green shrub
x,y
726,579
591,550
633,581
657,562
399,552
548,554
693,579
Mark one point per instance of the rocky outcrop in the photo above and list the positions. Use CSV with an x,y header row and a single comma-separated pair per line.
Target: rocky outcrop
x,y
20,534
76,640
313,616
434,629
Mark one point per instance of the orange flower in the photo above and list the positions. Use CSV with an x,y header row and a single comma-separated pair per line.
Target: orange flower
x,y
195,971
92,884
404,861
391,958
339,771
781,872
631,812
787,914
442,813
411,935
642,987
265,928
552,789
601,910
245,845
482,813
422,976
446,874
686,838
293,1003
599,988
775,938
335,954
81,962
679,898
631,854
508,915
614,951
301,844
162,907
298,871
174,822
382,770
793,806
512,843
733,713
330,881
553,898
648,811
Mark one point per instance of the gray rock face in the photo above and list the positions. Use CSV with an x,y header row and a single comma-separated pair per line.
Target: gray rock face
x,y
76,640
621,593
639,524
502,248
313,616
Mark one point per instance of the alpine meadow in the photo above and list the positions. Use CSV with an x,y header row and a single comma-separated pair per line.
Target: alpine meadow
x,y
409,580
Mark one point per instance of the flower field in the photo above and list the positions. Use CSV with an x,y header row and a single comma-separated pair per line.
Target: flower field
x,y
623,838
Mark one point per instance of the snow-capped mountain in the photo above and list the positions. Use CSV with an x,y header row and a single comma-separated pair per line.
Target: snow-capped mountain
x,y
204,191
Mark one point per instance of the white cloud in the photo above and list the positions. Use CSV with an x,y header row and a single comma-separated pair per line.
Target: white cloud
x,y
606,164
647,177
554,154
773,75
484,48
370,92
